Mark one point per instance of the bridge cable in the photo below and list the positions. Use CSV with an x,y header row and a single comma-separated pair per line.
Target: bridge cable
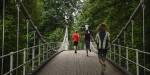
x,y
18,32
3,35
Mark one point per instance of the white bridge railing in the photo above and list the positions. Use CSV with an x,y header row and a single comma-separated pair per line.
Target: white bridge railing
x,y
27,54
29,58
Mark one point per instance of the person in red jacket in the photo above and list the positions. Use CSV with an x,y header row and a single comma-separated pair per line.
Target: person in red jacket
x,y
75,38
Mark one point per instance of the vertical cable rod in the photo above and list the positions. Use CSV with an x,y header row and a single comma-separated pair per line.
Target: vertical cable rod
x,y
143,9
3,39
33,52
132,37
18,29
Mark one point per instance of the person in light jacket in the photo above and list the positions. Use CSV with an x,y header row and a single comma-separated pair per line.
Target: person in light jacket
x,y
103,42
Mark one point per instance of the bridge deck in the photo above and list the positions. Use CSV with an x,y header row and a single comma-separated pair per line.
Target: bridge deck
x,y
69,63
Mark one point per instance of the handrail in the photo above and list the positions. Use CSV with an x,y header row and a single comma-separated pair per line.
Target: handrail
x,y
121,41
39,55
140,51
35,51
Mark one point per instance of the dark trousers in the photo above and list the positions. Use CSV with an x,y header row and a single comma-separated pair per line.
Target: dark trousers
x,y
102,53
87,43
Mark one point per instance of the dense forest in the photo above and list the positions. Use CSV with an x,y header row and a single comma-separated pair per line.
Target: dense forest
x,y
52,16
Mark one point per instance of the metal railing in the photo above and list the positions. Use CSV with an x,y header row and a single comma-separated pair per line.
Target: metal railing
x,y
120,54
126,50
24,59
36,56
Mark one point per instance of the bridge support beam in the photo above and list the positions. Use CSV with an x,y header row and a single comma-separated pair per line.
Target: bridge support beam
x,y
137,62
24,62
127,57
33,52
43,53
143,11
39,54
114,53
119,55
11,62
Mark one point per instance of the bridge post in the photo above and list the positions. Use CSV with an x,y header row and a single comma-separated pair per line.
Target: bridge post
x,y
25,54
110,52
11,62
119,54
47,52
114,53
132,37
3,36
39,54
24,62
27,40
18,30
137,62
119,48
127,57
33,52
143,11
43,52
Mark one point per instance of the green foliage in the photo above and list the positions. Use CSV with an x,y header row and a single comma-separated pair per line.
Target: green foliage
x,y
115,13
56,36
49,17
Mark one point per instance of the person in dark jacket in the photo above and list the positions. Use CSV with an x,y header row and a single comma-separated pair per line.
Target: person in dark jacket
x,y
87,38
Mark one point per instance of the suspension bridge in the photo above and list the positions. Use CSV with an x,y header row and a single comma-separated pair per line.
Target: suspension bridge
x,y
55,58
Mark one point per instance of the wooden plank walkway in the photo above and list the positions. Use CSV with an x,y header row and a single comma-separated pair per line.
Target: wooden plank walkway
x,y
69,63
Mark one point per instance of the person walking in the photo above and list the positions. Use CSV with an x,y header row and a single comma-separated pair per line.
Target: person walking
x,y
103,43
87,38
76,39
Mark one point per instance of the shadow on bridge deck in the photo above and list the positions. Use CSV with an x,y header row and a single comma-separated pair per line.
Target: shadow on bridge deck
x,y
69,63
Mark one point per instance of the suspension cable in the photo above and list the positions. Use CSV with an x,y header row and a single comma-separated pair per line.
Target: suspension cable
x,y
32,23
126,25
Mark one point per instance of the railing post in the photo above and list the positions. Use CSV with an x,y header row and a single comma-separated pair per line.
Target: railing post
x,y
43,53
18,29
127,57
47,51
132,37
27,37
143,9
24,62
39,58
110,52
119,48
3,36
33,53
119,54
114,53
137,62
11,62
